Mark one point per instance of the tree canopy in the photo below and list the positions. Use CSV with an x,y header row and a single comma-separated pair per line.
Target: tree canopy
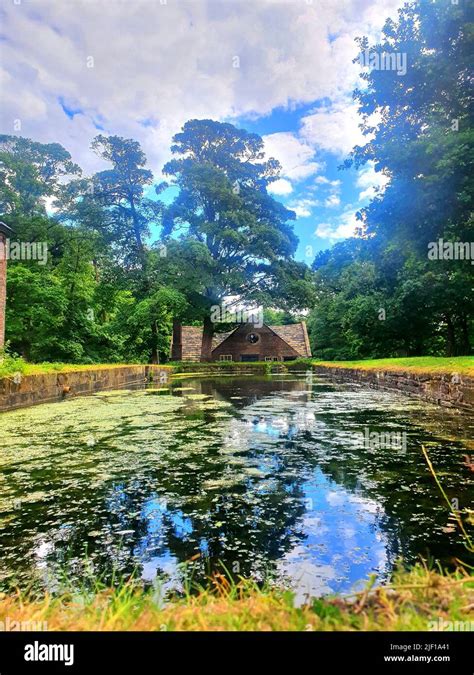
x,y
126,260
381,294
107,291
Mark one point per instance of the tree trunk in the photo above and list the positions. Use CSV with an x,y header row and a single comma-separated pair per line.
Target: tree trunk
x,y
177,346
138,236
207,335
465,342
155,356
451,339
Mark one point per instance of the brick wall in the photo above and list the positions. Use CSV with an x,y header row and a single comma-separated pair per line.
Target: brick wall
x,y
3,290
269,345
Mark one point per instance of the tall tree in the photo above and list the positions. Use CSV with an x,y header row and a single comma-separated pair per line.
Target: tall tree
x,y
423,141
242,233
121,190
30,172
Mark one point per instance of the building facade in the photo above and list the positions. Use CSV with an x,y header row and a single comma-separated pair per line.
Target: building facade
x,y
245,343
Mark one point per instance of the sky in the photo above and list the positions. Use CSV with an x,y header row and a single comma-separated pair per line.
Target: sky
x,y
71,69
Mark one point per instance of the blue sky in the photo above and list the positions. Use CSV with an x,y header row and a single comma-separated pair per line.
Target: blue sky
x,y
321,200
280,68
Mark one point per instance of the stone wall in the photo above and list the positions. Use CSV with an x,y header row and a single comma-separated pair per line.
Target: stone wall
x,y
452,390
56,386
447,389
28,390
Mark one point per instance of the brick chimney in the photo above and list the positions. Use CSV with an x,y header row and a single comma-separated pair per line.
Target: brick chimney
x,y
5,233
177,341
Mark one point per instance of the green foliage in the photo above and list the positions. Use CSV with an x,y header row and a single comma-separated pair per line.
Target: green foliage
x,y
240,236
381,295
10,363
104,295
30,172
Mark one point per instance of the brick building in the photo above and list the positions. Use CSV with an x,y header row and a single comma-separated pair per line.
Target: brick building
x,y
5,233
244,343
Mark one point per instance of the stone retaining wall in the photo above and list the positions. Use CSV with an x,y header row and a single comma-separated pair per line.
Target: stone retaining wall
x,y
447,389
55,386
452,390
58,385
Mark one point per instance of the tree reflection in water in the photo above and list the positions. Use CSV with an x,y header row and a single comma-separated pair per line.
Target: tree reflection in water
x,y
259,476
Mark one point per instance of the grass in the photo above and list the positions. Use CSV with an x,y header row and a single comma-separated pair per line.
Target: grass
x,y
11,365
413,600
423,364
416,364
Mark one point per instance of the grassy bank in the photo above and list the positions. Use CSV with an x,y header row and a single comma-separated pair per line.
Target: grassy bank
x,y
416,364
9,366
414,600
422,364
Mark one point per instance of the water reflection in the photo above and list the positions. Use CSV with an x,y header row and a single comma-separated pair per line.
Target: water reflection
x,y
264,476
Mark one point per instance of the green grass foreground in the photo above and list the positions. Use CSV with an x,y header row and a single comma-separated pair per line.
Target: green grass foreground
x,y
419,599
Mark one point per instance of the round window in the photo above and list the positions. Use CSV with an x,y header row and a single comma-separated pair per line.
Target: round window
x,y
253,338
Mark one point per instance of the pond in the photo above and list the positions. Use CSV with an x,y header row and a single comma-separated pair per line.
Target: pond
x,y
289,477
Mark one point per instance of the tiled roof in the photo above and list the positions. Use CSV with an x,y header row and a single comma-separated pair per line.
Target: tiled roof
x,y
192,341
295,335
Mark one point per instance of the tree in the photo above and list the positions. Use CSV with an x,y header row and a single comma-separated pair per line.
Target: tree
x,y
423,142
121,190
30,172
229,221
278,317
237,152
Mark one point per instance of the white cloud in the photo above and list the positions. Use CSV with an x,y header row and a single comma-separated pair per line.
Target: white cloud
x,y
322,180
342,227
334,128
157,65
295,156
372,181
280,187
332,201
345,224
302,207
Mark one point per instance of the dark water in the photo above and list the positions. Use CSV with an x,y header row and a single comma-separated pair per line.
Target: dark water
x,y
314,484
